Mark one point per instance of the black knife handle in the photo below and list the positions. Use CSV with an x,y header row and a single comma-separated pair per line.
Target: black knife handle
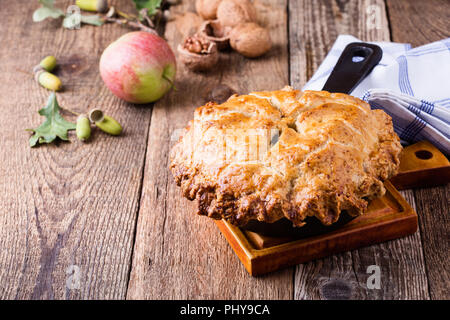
x,y
354,64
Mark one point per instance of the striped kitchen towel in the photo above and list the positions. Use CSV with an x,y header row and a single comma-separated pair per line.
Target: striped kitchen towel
x,y
411,85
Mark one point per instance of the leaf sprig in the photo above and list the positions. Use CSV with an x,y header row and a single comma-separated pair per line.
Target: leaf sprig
x,y
150,5
54,125
70,21
150,14
47,10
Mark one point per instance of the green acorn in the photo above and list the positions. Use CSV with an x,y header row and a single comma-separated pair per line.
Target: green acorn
x,y
105,123
83,129
93,5
47,64
48,80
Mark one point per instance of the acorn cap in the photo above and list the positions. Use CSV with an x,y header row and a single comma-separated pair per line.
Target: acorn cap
x,y
96,115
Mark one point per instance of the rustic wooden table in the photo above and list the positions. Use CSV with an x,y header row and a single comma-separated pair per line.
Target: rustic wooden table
x,y
108,212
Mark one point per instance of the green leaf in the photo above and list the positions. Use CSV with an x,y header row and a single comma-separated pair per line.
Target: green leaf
x,y
54,126
94,20
45,12
151,5
47,3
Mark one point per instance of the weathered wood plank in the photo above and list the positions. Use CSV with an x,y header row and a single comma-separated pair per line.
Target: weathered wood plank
x,y
433,206
418,23
313,28
68,204
177,254
315,25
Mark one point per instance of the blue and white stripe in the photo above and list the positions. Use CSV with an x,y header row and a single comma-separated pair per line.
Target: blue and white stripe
x,y
403,78
412,85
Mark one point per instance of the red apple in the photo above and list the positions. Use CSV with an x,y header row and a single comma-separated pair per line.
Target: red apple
x,y
139,67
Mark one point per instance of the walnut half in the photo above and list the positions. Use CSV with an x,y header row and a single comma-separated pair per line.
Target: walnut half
x,y
198,53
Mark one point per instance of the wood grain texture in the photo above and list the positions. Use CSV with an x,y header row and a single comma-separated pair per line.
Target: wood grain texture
x,y
65,204
179,255
73,204
418,22
314,26
432,203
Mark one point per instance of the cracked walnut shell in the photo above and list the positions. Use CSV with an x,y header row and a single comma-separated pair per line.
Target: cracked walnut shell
x,y
198,53
213,31
274,154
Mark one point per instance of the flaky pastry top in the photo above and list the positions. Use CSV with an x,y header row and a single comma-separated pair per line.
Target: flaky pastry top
x,y
286,153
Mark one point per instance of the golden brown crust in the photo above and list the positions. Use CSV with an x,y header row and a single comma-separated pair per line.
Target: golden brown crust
x,y
274,154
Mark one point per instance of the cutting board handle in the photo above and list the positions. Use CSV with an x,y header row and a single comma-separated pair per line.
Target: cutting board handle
x,y
422,165
355,63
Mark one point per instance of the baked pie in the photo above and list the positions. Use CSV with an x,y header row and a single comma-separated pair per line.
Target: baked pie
x,y
285,154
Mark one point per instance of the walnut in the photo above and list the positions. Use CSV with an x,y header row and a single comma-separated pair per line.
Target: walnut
x,y
197,45
214,31
233,12
188,23
250,40
207,8
198,53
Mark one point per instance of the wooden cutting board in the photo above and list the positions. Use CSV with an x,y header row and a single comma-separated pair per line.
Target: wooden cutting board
x,y
387,218
422,165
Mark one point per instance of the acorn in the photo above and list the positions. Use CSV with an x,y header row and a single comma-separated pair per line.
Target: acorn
x,y
48,63
83,128
93,5
105,123
48,80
